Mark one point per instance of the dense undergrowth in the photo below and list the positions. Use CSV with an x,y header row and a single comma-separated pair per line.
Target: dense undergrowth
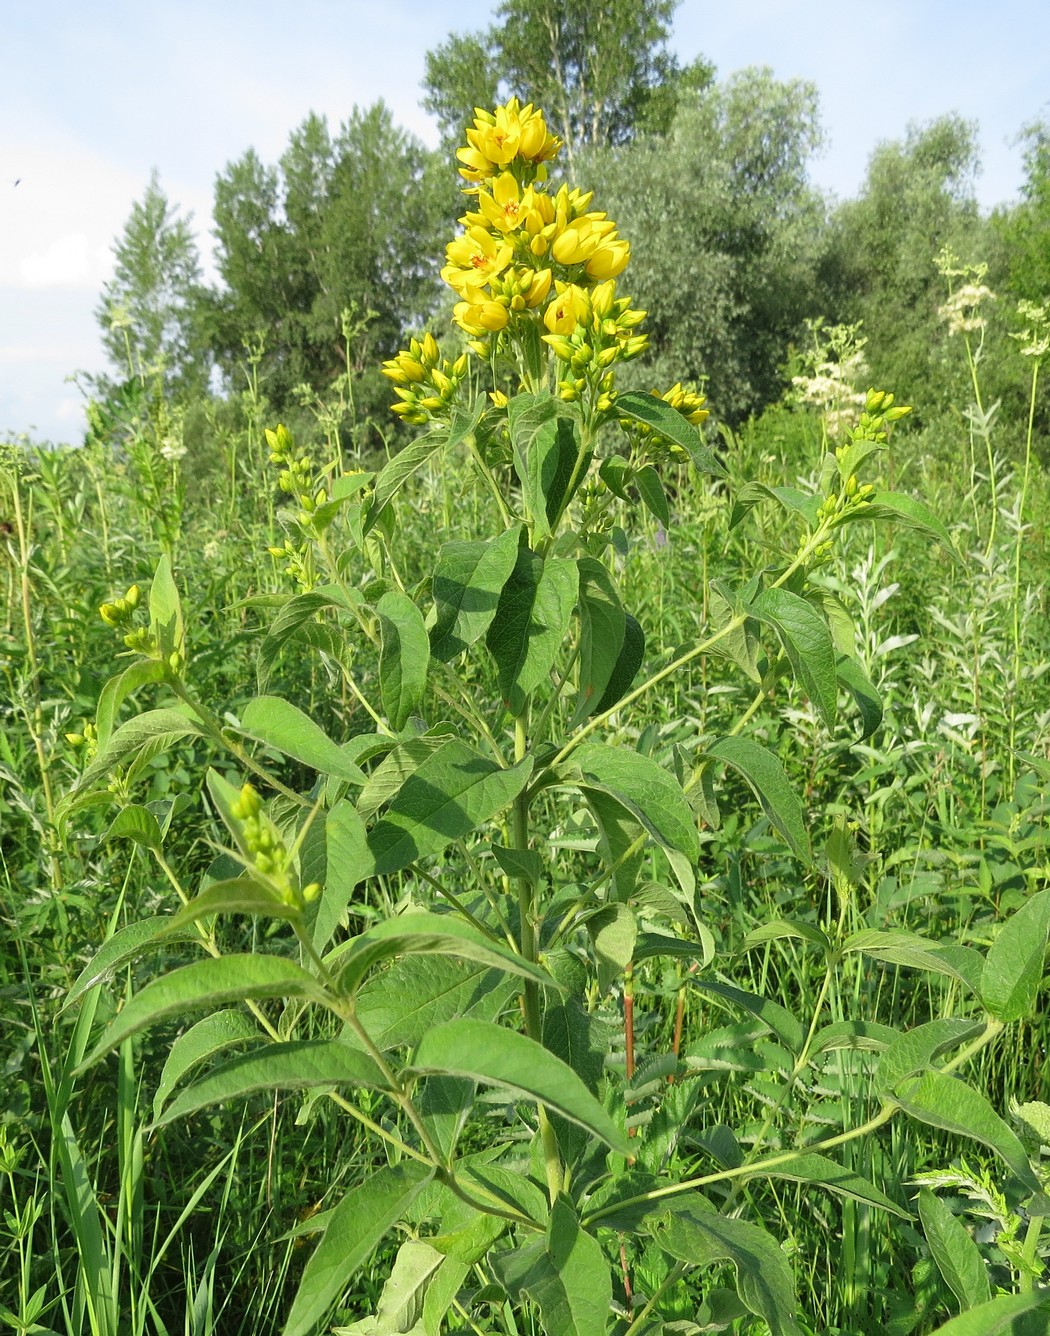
x,y
932,823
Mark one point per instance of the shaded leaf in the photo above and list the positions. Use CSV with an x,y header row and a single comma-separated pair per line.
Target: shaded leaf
x,y
658,415
404,657
468,579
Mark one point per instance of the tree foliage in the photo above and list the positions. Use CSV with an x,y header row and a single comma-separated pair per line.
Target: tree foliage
x,y
600,72
724,226
148,308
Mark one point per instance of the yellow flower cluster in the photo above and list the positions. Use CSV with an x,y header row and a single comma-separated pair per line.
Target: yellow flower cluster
x,y
512,133
589,330
424,382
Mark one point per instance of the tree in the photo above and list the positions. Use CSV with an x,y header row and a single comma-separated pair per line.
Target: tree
x,y
879,268
149,308
351,222
724,230
1024,230
599,71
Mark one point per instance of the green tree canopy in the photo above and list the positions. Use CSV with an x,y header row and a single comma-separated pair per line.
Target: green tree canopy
x,y
346,222
724,230
148,310
600,72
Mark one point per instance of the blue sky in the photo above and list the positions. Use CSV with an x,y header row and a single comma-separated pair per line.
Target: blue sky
x,y
95,95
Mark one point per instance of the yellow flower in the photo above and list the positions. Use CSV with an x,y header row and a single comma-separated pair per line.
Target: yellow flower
x,y
507,206
609,259
499,137
480,317
473,259
569,308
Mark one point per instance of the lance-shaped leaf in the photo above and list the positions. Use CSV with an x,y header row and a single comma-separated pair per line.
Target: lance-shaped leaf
x,y
602,629
397,472
136,823
404,657
767,780
139,741
651,490
281,725
209,1036
208,983
117,690
788,498
544,459
625,670
450,795
807,643
165,611
429,934
468,580
301,1065
235,895
787,1029
701,1237
946,1102
915,1051
125,944
565,1274
355,1228
825,1173
1013,968
298,612
906,510
1003,1317
899,947
492,1055
658,415
957,1257
399,1005
868,701
647,790
531,622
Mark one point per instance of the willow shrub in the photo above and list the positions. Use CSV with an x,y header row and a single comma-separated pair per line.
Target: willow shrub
x,y
499,704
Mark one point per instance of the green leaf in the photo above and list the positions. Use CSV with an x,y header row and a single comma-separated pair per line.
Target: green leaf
x,y
767,780
868,701
165,611
825,1173
117,690
651,490
450,795
283,726
348,862
869,1036
912,514
1013,967
125,944
618,830
403,659
355,1228
898,947
613,932
493,1055
400,1308
807,643
545,454
140,740
946,1102
421,933
468,579
531,623
650,793
520,863
788,498
136,823
701,1237
397,472
1004,1316
398,1006
625,670
402,760
779,929
208,983
957,1257
914,1051
565,1275
787,1029
209,1036
658,415
296,613
602,629
235,895
301,1065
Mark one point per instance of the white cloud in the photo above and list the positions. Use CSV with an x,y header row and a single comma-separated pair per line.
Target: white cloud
x,y
69,262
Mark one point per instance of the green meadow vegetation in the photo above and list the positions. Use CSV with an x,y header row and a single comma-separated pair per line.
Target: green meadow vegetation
x,y
568,855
